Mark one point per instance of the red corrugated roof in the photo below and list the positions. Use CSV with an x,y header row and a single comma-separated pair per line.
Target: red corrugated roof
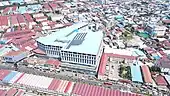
x,y
4,20
3,73
53,5
18,32
39,51
19,78
124,81
68,87
20,18
11,92
104,59
160,80
166,21
6,10
146,74
21,36
2,92
103,63
46,6
14,19
56,86
31,42
91,90
20,93
14,8
20,40
121,56
42,17
51,85
53,62
28,17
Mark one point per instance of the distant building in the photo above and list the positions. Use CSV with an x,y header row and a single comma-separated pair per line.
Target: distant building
x,y
14,56
160,31
76,46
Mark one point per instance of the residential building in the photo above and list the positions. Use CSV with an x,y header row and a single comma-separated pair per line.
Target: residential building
x,y
14,56
4,23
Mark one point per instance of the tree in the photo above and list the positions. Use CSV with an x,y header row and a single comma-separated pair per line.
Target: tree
x,y
155,69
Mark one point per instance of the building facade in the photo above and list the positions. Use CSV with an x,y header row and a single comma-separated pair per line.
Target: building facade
x,y
75,46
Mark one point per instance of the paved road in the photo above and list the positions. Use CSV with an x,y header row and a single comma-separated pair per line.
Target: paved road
x,y
58,76
69,78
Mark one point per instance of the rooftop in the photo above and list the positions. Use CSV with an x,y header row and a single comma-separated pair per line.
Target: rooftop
x,y
61,37
160,80
84,42
136,73
13,53
146,74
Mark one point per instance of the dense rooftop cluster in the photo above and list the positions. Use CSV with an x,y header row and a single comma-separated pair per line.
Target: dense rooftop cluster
x,y
122,43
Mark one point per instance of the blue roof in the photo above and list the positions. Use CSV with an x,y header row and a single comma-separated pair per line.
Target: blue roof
x,y
22,9
136,73
34,7
9,76
16,1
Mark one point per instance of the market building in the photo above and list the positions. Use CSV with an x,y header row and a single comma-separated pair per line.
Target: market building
x,y
76,46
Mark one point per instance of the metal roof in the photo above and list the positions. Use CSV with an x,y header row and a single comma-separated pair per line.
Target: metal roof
x,y
91,90
84,42
61,37
136,73
146,74
9,76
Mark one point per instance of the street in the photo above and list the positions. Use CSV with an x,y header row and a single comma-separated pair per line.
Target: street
x,y
67,76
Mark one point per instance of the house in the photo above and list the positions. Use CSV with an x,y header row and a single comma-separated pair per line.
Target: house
x,y
53,6
45,22
29,20
160,31
14,56
19,34
57,17
4,23
14,21
166,21
54,63
163,63
166,44
42,18
35,15
47,8
160,80
6,10
21,20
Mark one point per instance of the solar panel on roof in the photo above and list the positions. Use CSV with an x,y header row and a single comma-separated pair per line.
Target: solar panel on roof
x,y
77,40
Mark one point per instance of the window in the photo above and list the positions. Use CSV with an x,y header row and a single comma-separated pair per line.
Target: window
x,y
81,60
85,61
88,61
74,59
